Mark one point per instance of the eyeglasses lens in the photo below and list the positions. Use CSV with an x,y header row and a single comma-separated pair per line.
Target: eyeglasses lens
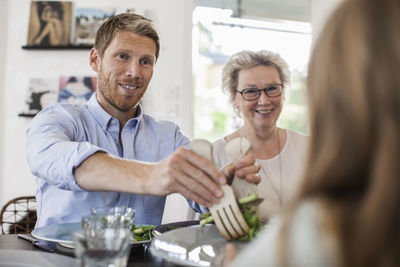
x,y
254,93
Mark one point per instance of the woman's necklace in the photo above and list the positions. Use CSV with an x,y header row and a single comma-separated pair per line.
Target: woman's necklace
x,y
278,191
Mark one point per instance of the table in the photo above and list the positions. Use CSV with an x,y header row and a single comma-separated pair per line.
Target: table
x,y
140,256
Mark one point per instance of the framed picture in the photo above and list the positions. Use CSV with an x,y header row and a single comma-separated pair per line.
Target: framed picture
x,y
76,89
88,21
41,93
50,23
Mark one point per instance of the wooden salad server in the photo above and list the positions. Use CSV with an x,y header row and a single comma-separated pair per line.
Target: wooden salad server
x,y
237,149
226,213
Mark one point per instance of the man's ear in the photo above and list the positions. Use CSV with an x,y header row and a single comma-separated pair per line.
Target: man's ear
x,y
94,59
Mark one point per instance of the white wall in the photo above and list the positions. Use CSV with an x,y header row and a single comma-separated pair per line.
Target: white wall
x,y
172,76
3,32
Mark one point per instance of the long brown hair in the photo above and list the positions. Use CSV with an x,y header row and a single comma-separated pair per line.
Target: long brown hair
x,y
354,154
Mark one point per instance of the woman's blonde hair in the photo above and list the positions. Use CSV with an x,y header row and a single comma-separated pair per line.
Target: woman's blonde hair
x,y
354,102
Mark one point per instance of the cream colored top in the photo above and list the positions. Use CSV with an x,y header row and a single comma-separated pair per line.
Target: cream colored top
x,y
310,242
279,175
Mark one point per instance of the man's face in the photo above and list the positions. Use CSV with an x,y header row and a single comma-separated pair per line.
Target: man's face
x,y
124,73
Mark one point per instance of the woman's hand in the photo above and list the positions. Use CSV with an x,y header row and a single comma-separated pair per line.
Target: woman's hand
x,y
246,168
230,254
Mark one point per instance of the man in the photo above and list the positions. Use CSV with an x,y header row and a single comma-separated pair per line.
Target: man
x,y
108,152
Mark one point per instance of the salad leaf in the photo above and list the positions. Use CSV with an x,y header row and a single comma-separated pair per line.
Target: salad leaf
x,y
142,232
248,206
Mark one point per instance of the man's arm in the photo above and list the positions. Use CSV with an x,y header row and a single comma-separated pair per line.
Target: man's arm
x,y
73,165
182,172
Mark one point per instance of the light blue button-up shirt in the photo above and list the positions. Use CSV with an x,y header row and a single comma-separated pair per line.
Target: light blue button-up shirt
x,y
62,136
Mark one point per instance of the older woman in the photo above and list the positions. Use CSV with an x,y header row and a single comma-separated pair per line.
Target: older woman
x,y
255,82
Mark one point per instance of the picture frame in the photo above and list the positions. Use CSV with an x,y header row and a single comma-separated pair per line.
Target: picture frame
x,y
87,21
50,23
76,89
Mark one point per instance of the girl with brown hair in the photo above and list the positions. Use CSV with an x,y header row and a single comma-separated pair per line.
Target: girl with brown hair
x,y
347,212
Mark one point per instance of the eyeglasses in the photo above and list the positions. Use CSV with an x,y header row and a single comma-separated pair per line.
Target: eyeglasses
x,y
273,90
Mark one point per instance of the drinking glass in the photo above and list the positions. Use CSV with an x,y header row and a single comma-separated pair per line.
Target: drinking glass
x,y
106,238
115,216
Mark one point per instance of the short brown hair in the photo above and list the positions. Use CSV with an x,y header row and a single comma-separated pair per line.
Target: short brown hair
x,y
125,22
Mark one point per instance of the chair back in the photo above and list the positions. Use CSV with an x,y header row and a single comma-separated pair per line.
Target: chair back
x,y
18,215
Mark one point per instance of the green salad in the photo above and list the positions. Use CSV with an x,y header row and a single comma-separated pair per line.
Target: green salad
x,y
248,207
142,232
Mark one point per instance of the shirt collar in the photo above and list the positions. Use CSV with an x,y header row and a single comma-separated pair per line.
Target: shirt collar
x,y
103,117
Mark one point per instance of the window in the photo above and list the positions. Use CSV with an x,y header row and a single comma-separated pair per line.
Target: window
x,y
216,36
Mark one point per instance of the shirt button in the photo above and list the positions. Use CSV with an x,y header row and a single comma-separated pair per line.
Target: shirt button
x,y
112,122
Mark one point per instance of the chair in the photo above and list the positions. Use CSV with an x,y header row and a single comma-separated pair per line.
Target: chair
x,y
18,215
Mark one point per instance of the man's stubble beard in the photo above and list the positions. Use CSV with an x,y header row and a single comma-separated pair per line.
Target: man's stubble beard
x,y
106,89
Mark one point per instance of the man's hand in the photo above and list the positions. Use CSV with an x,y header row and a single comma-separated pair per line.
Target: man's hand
x,y
189,174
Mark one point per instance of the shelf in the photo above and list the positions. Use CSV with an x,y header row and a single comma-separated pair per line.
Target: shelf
x,y
28,115
61,47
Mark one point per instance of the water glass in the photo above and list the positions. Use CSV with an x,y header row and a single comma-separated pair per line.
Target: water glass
x,y
115,216
106,238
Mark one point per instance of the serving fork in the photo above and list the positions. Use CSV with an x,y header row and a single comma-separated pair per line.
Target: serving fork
x,y
226,213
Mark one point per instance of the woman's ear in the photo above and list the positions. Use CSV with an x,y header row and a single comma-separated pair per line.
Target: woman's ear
x,y
234,101
235,105
94,59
